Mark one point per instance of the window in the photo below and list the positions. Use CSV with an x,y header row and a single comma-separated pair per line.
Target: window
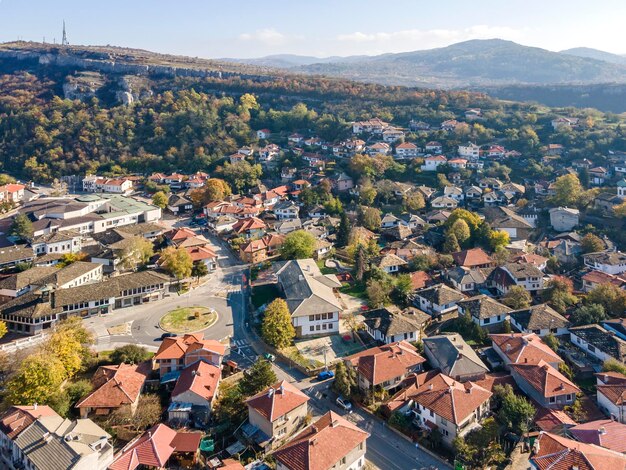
x,y
444,422
311,328
486,320
591,348
317,327
311,317
568,397
323,326
317,317
552,399
323,316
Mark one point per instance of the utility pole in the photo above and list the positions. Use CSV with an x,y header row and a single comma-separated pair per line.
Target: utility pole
x,y
64,41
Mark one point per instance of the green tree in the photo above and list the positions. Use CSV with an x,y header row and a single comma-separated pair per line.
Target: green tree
x,y
298,245
345,380
461,231
613,365
516,412
230,406
360,262
551,341
242,175
378,293
177,261
369,217
77,390
199,270
22,227
277,328
559,293
588,314
159,199
130,354
591,243
451,244
517,298
257,378
611,297
403,288
414,201
343,231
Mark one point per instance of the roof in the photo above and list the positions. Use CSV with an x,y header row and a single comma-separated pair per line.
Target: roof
x,y
524,348
186,441
483,306
322,444
16,253
602,339
307,291
200,378
453,356
604,432
153,448
553,452
386,362
472,257
26,278
389,323
612,258
177,346
545,379
420,279
389,260
277,400
440,294
116,385
539,317
450,399
17,418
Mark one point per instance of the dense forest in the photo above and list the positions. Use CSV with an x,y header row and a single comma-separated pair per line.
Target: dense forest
x,y
190,124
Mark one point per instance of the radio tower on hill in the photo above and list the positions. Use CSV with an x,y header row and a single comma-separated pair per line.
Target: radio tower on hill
x,y
64,41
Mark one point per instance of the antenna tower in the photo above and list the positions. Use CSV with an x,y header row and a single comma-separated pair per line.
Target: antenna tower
x,y
64,41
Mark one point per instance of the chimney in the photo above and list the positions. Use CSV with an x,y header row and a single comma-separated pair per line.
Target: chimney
x,y
35,406
525,360
602,430
270,392
507,347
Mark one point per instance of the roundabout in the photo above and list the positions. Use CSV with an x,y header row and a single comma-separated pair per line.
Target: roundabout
x,y
188,319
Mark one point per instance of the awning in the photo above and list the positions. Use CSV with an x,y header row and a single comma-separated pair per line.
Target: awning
x,y
170,377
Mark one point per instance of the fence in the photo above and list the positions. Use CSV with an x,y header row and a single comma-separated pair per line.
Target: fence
x,y
22,343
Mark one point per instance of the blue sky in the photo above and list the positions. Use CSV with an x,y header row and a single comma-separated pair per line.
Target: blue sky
x,y
245,28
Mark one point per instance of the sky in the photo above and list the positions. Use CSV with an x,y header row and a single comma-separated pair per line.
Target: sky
x,y
246,28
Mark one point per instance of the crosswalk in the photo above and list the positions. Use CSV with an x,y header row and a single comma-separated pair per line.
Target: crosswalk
x,y
240,343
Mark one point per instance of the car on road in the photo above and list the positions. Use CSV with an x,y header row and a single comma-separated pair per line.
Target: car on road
x,y
269,357
344,403
167,335
326,374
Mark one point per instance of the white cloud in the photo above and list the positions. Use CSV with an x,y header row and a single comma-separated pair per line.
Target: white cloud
x,y
414,39
267,36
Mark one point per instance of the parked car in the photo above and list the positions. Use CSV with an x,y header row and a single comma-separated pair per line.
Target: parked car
x,y
269,357
167,335
326,374
344,403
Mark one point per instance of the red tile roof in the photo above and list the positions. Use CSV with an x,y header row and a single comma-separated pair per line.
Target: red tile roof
x,y
152,449
17,418
251,223
386,362
420,279
177,347
321,445
559,453
186,441
116,385
200,378
522,348
605,433
552,420
200,253
230,464
545,379
471,258
277,400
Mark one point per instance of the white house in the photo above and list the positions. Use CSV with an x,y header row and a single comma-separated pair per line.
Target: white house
x,y
611,390
598,342
434,162
564,219
438,299
610,262
286,210
469,150
406,150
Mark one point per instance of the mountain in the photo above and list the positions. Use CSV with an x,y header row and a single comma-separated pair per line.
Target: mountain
x,y
590,53
283,61
470,64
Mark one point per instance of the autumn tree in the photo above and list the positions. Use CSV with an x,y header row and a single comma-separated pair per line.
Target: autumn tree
x,y
137,251
451,244
498,238
38,378
345,380
517,298
611,297
369,217
461,231
159,199
299,244
591,243
147,414
177,262
215,189
568,191
277,328
414,201
552,341
559,293
59,188
379,292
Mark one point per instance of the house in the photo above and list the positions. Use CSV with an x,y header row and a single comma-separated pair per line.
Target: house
x,y
406,150
256,251
449,125
263,133
605,433
197,385
611,394
452,407
599,342
381,148
155,447
322,248
283,227
540,262
467,279
433,163
506,220
331,442
444,202
114,387
617,326
525,275
433,148
454,192
250,228
389,220
484,310
420,280
286,210
177,352
12,192
458,163
287,173
343,182
593,279
469,150
57,242
473,258
372,126
177,204
544,384
598,175
17,254
389,263
385,366
310,296
454,357
277,411
523,348
539,319
389,327
610,262
473,193
564,219
563,122
550,449
437,300
36,437
391,135
621,189
418,125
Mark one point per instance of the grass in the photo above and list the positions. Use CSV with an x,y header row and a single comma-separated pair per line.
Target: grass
x,y
188,319
324,269
262,295
356,289
292,353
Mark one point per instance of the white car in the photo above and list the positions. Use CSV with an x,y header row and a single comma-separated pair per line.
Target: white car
x,y
344,403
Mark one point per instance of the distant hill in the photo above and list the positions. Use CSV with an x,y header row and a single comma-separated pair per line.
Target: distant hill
x,y
590,53
469,64
292,60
